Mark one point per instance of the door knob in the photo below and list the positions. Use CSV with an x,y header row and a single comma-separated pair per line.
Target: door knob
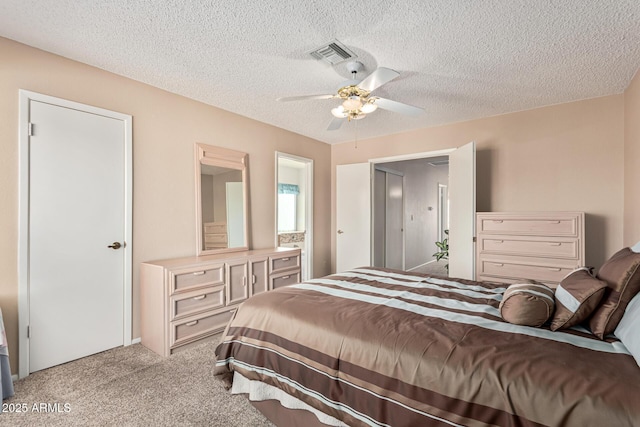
x,y
115,245
340,231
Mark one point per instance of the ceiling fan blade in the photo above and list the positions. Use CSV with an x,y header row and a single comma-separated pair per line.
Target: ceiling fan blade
x,y
376,79
398,107
304,97
335,124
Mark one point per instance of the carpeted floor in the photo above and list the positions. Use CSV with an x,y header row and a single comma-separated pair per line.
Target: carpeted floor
x,y
131,386
436,268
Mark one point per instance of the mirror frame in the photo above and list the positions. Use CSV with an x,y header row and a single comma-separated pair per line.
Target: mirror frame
x,y
226,158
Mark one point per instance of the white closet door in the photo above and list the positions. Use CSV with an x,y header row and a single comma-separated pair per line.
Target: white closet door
x,y
76,210
379,213
462,211
394,227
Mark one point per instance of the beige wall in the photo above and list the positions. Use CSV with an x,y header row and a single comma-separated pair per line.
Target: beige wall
x,y
562,157
165,129
632,162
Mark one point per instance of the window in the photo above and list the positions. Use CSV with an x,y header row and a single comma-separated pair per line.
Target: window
x,y
286,212
287,207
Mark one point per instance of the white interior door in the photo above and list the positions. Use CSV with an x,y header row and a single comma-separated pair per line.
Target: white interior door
x,y
76,206
462,211
353,216
394,227
379,213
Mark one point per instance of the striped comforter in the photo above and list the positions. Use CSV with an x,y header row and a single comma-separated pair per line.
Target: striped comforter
x,y
376,347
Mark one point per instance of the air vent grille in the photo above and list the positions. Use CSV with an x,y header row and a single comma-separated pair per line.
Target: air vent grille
x,y
334,53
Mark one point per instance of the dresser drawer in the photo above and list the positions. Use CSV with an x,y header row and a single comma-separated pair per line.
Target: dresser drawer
x,y
283,263
197,327
189,303
284,279
554,248
533,271
215,238
530,226
215,227
187,279
208,246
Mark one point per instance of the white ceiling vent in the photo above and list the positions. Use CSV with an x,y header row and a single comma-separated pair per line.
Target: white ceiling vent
x,y
334,53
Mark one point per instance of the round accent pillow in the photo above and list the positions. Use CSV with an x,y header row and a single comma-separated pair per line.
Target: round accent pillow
x,y
527,304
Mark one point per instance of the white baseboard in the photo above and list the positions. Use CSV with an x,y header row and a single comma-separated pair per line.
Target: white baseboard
x,y
422,265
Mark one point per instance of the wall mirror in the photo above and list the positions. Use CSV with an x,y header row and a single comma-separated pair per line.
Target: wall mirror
x,y
221,200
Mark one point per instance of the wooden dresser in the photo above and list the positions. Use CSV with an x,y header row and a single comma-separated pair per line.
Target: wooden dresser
x,y
184,300
543,246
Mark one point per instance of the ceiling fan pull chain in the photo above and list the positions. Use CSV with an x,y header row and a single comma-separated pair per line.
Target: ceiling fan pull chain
x,y
356,142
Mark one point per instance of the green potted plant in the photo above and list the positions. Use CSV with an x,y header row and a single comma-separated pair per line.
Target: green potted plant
x,y
443,249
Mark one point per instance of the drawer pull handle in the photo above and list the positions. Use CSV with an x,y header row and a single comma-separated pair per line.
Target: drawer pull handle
x,y
284,259
498,221
498,264
555,269
498,241
195,322
554,222
199,297
244,281
198,273
253,279
555,244
285,277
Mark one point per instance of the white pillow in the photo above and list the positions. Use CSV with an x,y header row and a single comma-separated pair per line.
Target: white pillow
x,y
628,330
635,248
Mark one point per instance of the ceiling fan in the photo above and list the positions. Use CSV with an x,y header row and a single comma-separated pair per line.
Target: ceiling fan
x,y
357,98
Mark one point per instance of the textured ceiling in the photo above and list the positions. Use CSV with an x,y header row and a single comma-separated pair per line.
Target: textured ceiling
x,y
458,60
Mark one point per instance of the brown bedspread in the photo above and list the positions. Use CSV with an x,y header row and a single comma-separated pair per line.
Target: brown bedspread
x,y
380,347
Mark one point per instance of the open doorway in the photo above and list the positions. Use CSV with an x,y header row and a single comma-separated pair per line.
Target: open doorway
x,y
354,216
294,207
421,219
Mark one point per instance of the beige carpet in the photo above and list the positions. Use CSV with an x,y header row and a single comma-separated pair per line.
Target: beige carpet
x,y
436,268
131,386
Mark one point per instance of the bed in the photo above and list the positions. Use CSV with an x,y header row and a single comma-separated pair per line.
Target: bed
x,y
378,347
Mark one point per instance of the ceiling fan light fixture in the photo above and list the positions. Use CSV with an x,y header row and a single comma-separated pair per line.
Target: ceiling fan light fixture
x,y
369,107
339,112
356,98
352,103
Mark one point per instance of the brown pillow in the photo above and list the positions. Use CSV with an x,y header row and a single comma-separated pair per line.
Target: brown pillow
x,y
622,274
527,304
577,295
